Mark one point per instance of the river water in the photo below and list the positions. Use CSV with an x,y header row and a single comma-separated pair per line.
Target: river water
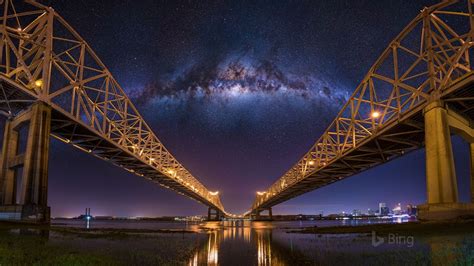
x,y
270,243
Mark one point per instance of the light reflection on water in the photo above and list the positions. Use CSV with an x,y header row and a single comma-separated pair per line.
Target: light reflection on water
x,y
268,243
250,243
252,234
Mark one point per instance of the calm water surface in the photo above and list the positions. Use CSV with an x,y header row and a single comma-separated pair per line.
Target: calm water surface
x,y
269,243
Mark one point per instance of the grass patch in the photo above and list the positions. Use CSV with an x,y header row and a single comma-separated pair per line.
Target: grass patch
x,y
34,250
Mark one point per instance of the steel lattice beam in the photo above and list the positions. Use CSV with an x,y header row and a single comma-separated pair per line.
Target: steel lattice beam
x,y
42,58
429,60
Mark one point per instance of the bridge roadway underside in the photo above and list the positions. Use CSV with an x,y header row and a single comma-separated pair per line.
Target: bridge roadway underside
x,y
66,128
393,140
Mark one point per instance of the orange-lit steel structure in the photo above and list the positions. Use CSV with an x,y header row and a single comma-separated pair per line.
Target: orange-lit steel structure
x,y
44,62
419,91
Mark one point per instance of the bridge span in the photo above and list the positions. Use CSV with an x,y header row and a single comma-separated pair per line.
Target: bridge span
x,y
52,83
417,94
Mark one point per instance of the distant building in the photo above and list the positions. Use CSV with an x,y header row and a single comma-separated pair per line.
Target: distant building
x,y
371,212
397,210
356,213
412,210
103,217
382,207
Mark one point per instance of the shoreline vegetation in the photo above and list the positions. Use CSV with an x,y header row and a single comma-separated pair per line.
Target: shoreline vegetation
x,y
29,244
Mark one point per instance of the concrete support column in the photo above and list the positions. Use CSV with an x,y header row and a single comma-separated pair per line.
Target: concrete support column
x,y
440,122
270,213
471,152
440,172
7,174
213,214
31,198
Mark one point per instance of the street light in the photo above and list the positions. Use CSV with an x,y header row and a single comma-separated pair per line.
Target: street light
x,y
39,83
375,114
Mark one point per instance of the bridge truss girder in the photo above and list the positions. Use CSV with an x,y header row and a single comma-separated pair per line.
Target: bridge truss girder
x,y
382,120
42,58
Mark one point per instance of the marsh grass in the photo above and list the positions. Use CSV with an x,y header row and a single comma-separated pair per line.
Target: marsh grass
x,y
44,245
34,250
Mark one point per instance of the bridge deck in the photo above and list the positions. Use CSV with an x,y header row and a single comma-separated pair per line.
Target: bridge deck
x,y
68,130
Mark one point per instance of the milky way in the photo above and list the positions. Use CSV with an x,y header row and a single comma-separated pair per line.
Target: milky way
x,y
241,94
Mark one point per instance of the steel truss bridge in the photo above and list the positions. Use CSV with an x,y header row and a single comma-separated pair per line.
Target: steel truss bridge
x,y
427,64
418,93
44,60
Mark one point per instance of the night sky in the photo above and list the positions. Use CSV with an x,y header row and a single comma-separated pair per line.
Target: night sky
x,y
238,92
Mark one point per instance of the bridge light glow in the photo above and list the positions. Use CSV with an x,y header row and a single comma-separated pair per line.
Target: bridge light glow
x,y
214,193
260,193
375,114
38,83
171,171
311,162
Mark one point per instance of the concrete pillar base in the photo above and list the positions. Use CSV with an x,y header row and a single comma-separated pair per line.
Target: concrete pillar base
x,y
25,213
24,171
214,215
257,216
445,211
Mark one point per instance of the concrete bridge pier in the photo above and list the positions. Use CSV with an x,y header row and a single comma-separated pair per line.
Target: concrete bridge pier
x,y
471,155
442,190
256,215
24,166
214,214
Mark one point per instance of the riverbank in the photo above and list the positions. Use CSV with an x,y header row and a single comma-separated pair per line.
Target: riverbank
x,y
26,244
412,228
